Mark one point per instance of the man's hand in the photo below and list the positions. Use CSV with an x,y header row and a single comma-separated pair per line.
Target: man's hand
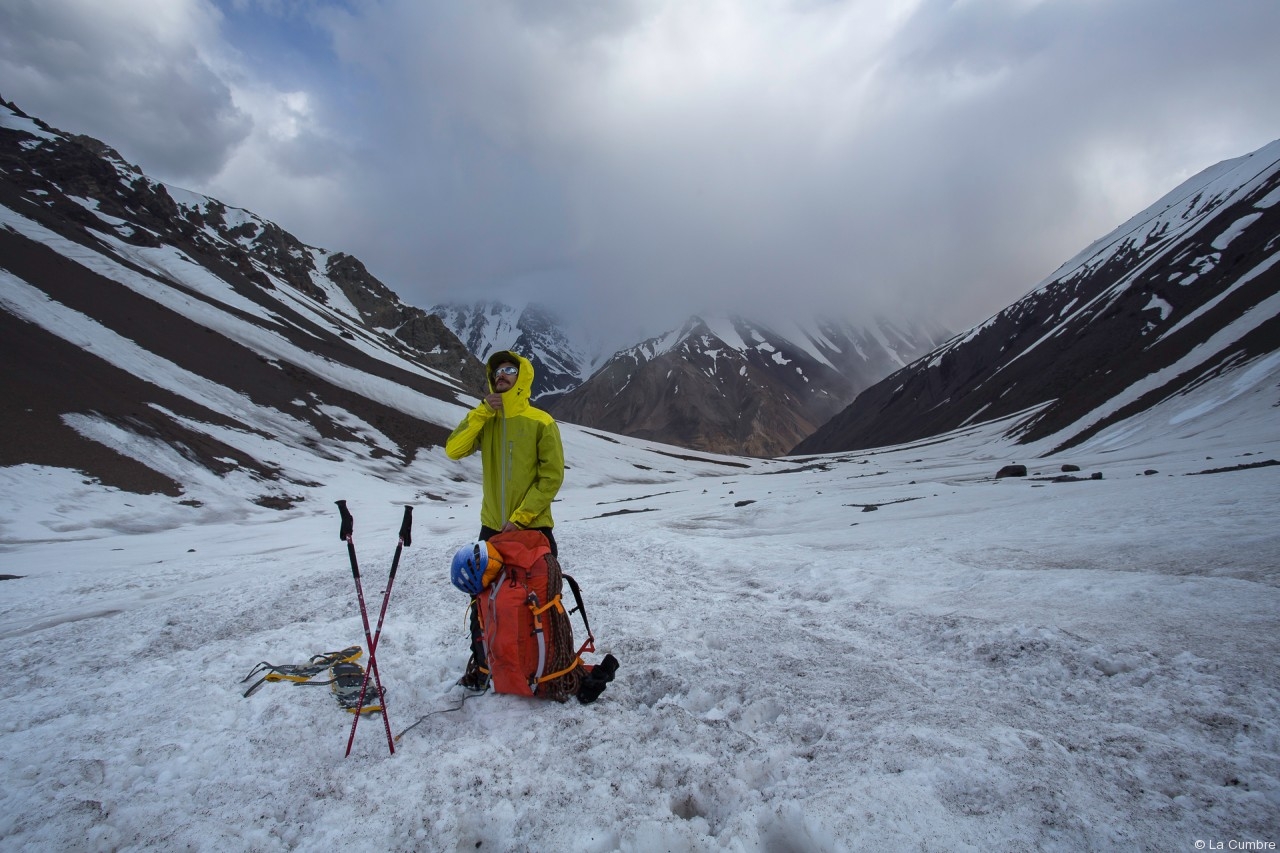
x,y
509,526
494,401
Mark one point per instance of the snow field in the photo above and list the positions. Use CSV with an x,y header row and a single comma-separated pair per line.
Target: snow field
x,y
975,664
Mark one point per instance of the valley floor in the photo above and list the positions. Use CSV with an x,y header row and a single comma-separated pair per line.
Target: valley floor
x,y
975,664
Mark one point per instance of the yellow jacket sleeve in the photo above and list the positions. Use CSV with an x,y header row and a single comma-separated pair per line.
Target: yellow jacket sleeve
x,y
465,437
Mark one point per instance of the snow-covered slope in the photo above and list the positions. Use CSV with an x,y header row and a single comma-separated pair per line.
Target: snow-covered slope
x,y
977,664
1187,290
160,340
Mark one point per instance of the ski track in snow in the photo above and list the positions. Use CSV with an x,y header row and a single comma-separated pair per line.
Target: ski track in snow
x,y
978,664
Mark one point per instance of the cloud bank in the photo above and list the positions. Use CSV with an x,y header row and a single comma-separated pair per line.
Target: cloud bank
x,y
637,161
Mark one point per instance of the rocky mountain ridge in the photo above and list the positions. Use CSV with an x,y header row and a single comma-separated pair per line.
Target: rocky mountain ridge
x,y
217,311
239,338
731,385
1183,292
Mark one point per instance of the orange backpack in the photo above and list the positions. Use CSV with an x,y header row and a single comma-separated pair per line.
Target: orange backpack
x,y
528,640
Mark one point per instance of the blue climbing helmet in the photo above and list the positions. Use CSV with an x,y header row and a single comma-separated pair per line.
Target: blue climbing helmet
x,y
471,564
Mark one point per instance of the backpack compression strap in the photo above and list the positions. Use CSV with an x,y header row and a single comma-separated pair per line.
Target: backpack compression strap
x,y
590,644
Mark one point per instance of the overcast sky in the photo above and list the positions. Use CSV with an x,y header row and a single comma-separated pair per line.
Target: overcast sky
x,y
642,160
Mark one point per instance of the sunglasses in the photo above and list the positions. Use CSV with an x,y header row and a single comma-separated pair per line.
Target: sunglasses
x,y
507,371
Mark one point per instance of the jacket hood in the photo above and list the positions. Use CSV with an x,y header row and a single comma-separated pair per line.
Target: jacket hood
x,y
519,392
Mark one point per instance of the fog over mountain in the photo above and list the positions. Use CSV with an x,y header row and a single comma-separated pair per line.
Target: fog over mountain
x,y
637,163
1190,278
1185,291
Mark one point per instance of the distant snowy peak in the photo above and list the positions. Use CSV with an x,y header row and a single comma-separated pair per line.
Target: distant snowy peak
x,y
841,346
1183,292
733,385
483,327
827,361
652,348
560,362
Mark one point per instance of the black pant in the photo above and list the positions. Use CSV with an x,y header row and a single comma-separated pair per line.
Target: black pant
x,y
477,644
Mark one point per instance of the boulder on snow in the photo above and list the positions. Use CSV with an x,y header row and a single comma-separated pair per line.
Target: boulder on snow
x,y
1012,471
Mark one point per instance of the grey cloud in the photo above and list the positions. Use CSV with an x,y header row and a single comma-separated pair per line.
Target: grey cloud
x,y
157,101
643,160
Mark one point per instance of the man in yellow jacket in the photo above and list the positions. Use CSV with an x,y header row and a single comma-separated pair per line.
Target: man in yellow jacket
x,y
523,463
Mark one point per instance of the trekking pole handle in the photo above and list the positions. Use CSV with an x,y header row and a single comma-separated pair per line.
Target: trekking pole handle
x,y
348,523
405,536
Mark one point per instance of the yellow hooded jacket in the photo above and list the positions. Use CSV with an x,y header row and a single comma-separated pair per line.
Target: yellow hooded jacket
x,y
520,447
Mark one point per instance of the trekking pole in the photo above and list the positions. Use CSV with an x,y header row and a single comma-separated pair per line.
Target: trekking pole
x,y
405,539
346,533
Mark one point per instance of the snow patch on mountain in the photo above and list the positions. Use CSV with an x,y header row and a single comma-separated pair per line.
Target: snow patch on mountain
x,y
731,384
563,356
